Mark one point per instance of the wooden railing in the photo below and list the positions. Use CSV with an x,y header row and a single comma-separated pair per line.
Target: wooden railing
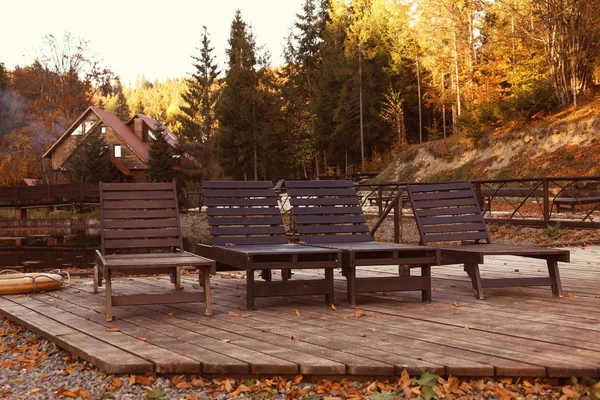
x,y
571,202
48,194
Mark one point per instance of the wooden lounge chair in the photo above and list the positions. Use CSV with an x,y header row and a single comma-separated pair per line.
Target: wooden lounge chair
x,y
248,235
449,212
140,233
328,214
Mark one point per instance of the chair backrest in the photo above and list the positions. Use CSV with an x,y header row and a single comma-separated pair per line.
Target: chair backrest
x,y
243,213
447,212
327,212
139,217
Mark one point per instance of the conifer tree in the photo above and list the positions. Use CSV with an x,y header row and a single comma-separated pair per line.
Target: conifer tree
x,y
90,160
236,146
197,119
121,107
161,166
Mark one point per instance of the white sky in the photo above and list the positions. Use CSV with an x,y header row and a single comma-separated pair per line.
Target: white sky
x,y
134,37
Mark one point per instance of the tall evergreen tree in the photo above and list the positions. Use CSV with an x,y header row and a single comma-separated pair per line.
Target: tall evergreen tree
x,y
236,146
197,114
90,160
161,166
121,107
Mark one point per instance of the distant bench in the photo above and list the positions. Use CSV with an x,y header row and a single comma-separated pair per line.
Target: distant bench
x,y
569,203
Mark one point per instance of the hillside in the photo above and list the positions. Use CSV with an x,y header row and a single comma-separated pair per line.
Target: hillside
x,y
566,143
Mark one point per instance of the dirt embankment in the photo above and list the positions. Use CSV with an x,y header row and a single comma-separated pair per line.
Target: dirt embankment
x,y
565,144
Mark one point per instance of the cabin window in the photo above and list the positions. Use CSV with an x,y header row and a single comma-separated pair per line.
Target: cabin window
x,y
78,131
117,150
103,129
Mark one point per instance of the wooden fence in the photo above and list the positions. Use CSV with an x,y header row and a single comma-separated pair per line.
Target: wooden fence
x,y
45,195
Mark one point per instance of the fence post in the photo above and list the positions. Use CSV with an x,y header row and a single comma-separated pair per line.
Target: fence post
x,y
478,195
380,199
397,212
545,185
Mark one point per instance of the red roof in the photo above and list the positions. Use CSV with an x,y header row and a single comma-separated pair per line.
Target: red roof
x,y
122,130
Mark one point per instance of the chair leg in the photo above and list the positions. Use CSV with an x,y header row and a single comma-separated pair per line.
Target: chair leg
x,y
351,285
108,278
403,270
176,277
473,272
286,274
96,276
267,275
329,280
426,294
205,278
555,277
250,290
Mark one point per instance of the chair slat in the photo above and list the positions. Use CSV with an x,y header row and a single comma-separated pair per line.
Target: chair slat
x,y
292,184
327,210
119,187
456,194
140,233
250,211
324,201
424,204
140,243
321,239
453,228
138,214
333,229
248,230
436,187
142,223
223,193
138,195
329,219
454,237
253,220
137,204
248,240
240,202
338,191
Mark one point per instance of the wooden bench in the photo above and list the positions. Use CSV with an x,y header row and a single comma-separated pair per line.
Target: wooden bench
x,y
140,234
248,235
569,203
327,214
450,213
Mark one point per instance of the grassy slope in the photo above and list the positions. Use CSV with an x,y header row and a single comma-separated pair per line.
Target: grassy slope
x,y
564,144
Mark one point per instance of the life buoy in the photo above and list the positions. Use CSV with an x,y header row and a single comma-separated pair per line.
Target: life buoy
x,y
13,282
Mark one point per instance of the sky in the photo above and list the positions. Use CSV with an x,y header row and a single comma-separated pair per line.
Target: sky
x,y
151,38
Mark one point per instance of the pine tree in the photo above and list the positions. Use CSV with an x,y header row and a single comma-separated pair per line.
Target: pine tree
x,y
161,166
197,114
122,108
236,146
90,160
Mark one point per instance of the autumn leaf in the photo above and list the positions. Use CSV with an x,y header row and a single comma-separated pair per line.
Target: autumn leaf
x,y
117,382
359,313
240,389
298,379
36,390
227,340
171,314
113,330
332,307
455,304
233,314
297,313
293,338
143,339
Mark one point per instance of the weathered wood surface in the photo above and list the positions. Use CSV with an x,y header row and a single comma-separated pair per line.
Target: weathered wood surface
x,y
515,332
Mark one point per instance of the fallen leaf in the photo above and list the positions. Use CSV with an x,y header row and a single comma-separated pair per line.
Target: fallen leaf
x,y
85,394
143,339
332,307
455,304
117,382
362,335
227,340
298,379
359,313
113,330
36,390
293,338
171,314
233,314
240,389
297,313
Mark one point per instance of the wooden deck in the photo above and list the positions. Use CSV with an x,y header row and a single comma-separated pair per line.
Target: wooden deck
x,y
514,332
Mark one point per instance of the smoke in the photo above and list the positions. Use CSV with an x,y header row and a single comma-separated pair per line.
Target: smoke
x,y
12,112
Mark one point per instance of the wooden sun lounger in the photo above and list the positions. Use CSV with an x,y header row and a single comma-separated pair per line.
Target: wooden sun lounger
x,y
248,235
328,214
140,234
449,212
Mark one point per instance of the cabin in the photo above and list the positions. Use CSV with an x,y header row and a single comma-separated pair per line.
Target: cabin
x,y
129,143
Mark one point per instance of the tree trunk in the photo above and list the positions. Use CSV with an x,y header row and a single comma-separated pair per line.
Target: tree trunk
x,y
419,95
360,98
